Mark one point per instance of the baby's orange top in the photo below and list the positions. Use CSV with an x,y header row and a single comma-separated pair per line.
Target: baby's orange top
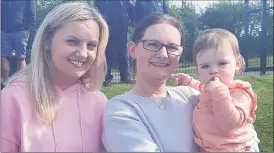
x,y
223,119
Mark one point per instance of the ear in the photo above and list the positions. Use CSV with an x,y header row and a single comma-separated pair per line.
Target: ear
x,y
131,49
238,64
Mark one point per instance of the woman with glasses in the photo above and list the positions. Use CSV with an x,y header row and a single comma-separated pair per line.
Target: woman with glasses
x,y
152,116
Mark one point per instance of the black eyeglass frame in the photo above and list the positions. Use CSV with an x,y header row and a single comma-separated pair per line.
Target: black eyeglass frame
x,y
144,40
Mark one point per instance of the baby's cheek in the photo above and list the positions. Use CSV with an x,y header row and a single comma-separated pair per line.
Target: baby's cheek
x,y
204,76
226,77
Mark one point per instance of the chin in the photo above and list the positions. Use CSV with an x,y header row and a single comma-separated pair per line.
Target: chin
x,y
77,74
161,77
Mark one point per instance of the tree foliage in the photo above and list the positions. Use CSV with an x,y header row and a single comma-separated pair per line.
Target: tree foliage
x,y
43,8
187,15
228,15
221,14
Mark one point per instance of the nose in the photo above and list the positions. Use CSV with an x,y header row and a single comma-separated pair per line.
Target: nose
x,y
162,53
214,70
82,52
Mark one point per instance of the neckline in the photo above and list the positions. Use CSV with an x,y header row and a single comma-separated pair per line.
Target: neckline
x,y
169,94
71,89
161,104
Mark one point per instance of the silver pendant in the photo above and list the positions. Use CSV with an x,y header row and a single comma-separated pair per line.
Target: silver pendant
x,y
162,107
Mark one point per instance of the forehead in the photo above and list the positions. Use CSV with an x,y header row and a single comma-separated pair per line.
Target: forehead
x,y
82,29
214,53
163,32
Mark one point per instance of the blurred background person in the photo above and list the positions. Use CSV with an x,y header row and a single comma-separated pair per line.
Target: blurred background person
x,y
144,8
118,14
17,21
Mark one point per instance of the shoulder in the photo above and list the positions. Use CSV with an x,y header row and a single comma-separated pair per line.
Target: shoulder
x,y
10,96
185,93
20,81
100,96
242,92
121,104
240,84
15,100
242,88
16,91
95,97
16,105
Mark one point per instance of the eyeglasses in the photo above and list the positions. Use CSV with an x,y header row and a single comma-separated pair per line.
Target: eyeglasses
x,y
155,46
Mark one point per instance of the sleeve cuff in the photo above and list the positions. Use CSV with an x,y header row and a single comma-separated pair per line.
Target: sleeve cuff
x,y
187,80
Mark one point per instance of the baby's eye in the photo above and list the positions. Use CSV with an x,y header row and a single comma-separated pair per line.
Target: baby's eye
x,y
222,63
204,66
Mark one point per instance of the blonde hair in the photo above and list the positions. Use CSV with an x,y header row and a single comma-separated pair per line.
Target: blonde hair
x,y
217,39
43,92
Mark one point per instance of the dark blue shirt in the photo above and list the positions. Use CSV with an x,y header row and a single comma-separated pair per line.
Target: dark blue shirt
x,y
17,15
144,8
116,12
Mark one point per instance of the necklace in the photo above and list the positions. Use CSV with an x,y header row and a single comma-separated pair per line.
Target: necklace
x,y
160,102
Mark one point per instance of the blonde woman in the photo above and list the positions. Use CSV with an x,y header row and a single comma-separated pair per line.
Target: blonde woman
x,y
54,105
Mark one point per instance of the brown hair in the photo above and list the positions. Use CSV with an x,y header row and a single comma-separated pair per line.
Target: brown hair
x,y
155,18
217,38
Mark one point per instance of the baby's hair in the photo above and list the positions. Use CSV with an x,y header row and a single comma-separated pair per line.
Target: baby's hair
x,y
217,39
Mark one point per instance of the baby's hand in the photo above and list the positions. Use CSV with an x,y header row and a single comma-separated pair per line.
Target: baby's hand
x,y
213,84
179,77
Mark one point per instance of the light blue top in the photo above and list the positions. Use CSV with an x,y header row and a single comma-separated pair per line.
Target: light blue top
x,y
138,124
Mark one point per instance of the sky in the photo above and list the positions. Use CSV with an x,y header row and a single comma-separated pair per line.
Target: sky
x,y
201,4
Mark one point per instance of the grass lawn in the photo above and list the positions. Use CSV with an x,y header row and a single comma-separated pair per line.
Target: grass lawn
x,y
263,87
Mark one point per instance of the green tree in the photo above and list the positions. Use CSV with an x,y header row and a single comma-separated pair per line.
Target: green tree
x,y
43,7
225,14
188,16
230,15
